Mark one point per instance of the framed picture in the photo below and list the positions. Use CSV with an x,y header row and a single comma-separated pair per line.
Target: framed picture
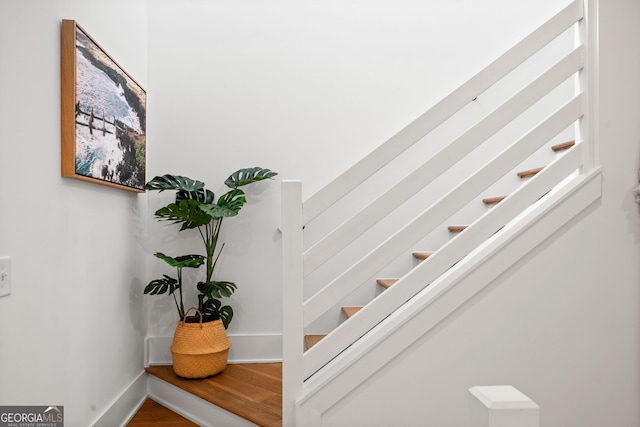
x,y
103,115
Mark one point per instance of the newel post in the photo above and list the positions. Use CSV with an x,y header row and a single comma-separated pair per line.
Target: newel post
x,y
292,299
589,82
502,406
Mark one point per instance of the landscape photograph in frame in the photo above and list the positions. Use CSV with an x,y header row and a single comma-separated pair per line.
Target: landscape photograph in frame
x,y
103,115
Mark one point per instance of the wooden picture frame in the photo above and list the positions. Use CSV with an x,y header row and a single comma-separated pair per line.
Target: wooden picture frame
x,y
103,115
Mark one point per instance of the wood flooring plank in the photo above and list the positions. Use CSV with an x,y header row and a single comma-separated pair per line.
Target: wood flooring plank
x,y
153,414
273,370
252,391
257,379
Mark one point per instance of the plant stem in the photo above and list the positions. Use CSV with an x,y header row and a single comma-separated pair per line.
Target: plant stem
x,y
219,252
210,240
216,234
181,308
177,306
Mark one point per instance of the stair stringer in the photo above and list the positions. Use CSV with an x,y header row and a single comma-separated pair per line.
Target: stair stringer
x,y
442,298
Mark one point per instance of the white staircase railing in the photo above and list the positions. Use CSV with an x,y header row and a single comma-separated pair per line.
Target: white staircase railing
x,y
298,264
441,162
451,104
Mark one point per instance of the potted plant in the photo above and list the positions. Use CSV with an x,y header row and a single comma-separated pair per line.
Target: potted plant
x,y
196,207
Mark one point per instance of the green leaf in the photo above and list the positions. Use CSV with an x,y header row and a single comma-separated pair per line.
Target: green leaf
x,y
234,200
174,182
217,211
217,289
212,306
161,286
202,195
226,314
193,261
248,176
187,212
215,308
229,204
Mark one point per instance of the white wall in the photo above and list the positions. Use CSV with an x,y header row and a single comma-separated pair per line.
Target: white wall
x,y
72,331
562,325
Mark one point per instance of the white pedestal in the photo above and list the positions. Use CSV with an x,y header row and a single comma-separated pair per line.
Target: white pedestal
x,y
502,406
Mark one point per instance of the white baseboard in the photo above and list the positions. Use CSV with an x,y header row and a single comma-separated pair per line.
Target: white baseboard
x,y
124,407
244,349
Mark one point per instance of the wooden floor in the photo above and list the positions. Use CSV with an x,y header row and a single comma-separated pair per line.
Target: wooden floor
x,y
153,414
252,391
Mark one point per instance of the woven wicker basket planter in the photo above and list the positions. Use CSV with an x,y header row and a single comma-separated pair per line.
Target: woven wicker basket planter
x,y
200,349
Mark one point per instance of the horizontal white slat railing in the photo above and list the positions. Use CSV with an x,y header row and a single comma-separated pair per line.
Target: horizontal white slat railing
x,y
371,214
452,252
438,212
439,113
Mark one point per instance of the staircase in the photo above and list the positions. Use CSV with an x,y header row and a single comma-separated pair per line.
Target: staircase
x,y
386,283
325,333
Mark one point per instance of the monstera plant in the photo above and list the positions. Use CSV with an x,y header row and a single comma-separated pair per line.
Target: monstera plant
x,y
197,208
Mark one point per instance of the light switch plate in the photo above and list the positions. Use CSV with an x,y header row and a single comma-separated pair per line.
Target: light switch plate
x,y
5,276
